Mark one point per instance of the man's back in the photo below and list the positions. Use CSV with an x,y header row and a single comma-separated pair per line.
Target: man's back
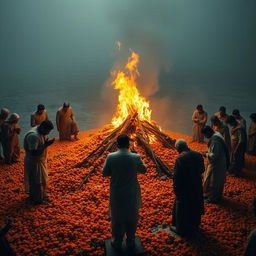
x,y
125,198
123,167
187,177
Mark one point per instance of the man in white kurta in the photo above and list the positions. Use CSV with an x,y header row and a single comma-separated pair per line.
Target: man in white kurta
x,y
35,162
66,124
39,116
199,119
217,165
125,197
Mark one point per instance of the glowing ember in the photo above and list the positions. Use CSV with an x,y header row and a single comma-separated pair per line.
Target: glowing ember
x,y
129,98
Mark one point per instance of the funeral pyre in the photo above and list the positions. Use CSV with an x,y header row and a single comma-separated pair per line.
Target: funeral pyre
x,y
132,117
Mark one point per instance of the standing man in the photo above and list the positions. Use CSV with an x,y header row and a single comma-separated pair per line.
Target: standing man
x,y
238,146
39,116
239,118
199,119
35,163
3,116
252,135
222,115
222,128
217,165
10,131
66,124
187,186
125,197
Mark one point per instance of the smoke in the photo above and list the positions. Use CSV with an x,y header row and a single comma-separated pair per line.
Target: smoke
x,y
145,41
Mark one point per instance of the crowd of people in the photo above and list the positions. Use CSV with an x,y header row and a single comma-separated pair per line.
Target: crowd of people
x,y
194,184
35,145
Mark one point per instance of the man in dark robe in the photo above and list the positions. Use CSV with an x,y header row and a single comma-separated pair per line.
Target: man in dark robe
x,y
238,146
187,185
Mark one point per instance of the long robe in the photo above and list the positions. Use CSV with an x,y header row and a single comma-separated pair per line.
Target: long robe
x,y
37,119
1,149
66,124
125,196
251,147
224,131
35,167
215,174
238,148
10,141
251,245
199,120
5,248
187,184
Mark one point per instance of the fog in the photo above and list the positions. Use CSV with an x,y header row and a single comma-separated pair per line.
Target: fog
x,y
191,52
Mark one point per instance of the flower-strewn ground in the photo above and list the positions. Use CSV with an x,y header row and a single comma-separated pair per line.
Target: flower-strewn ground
x,y
77,223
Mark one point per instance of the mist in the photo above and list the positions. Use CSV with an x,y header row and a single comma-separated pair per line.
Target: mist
x,y
191,52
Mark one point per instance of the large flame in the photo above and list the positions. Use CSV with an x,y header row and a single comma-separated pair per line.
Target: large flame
x,y
129,97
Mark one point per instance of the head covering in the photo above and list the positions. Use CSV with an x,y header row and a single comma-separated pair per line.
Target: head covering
x,y
13,117
4,111
181,145
66,104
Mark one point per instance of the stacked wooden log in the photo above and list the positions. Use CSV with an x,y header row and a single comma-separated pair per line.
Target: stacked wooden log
x,y
141,134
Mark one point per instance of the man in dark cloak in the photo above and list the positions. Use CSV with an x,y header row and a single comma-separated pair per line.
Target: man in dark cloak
x,y
187,185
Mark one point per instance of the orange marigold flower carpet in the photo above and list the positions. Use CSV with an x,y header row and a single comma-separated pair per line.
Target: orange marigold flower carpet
x,y
77,223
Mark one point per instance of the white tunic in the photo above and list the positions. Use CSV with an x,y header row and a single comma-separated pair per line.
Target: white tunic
x,y
125,196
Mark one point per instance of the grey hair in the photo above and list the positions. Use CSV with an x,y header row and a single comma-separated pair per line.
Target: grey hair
x,y
181,145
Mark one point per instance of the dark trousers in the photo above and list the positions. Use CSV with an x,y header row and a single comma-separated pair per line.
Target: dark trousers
x,y
119,229
185,219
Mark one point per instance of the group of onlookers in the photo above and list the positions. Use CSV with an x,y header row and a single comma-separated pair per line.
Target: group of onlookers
x,y
10,130
233,130
226,148
36,142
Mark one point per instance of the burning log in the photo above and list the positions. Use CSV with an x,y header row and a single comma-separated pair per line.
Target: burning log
x,y
133,117
132,125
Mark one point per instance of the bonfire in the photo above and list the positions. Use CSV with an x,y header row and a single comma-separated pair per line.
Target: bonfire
x,y
132,117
